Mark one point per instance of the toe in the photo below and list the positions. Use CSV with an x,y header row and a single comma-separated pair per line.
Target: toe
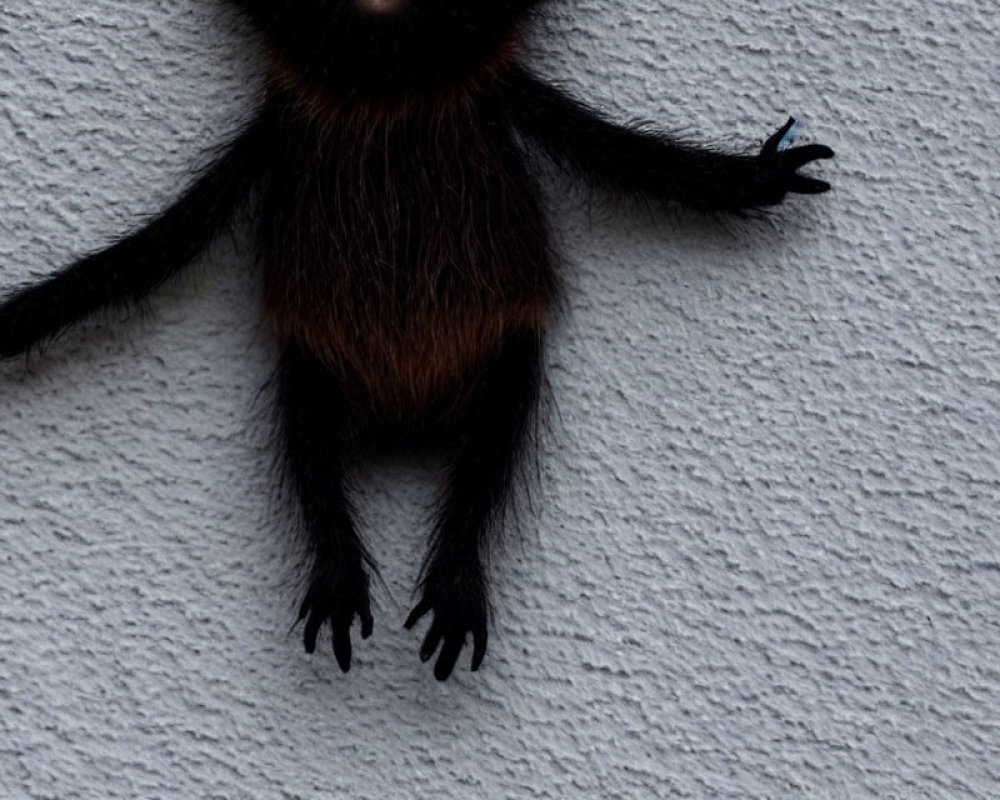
x,y
449,655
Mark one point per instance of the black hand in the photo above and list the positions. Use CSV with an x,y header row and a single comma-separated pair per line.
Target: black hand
x,y
459,608
778,168
337,600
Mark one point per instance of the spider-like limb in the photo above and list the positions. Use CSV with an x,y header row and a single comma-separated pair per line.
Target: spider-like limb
x,y
494,438
128,270
313,421
641,160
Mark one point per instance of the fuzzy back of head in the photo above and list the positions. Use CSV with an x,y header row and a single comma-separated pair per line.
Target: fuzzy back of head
x,y
378,47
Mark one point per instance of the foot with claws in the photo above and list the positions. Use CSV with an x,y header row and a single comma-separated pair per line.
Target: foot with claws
x,y
777,167
337,599
459,607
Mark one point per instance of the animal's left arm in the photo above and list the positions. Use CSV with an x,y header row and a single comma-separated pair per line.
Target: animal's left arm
x,y
137,264
639,160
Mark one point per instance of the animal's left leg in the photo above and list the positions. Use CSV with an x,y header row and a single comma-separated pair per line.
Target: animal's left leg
x,y
314,422
493,439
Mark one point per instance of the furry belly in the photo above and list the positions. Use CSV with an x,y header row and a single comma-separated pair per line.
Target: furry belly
x,y
400,362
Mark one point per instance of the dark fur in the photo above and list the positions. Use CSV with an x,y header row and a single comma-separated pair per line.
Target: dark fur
x,y
407,265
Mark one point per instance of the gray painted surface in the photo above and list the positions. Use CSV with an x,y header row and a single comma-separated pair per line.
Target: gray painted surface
x,y
763,560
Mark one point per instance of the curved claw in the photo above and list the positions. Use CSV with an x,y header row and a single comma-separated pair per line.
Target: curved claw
x,y
479,637
771,145
422,608
367,623
312,626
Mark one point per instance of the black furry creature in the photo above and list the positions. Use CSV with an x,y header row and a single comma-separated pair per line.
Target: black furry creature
x,y
408,268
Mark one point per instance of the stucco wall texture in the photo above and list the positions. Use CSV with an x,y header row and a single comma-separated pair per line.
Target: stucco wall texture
x,y
762,557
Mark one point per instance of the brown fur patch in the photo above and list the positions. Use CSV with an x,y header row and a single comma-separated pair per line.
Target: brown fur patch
x,y
402,369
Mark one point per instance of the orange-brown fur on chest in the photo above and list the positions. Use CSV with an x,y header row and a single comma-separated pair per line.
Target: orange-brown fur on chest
x,y
403,247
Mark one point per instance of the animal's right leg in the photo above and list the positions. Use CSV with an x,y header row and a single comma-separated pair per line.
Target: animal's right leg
x,y
313,420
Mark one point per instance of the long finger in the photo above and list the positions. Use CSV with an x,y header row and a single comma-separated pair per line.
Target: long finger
x,y
313,625
798,156
478,647
342,645
449,655
422,608
771,145
431,640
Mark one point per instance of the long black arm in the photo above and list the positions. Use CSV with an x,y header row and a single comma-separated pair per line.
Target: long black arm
x,y
639,160
140,262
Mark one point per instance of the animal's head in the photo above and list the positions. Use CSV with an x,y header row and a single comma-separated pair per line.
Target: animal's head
x,y
387,45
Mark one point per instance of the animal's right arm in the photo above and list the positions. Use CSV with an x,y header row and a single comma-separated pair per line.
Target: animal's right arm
x,y
135,265
649,162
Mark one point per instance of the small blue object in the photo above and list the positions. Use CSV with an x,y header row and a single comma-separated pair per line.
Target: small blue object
x,y
790,136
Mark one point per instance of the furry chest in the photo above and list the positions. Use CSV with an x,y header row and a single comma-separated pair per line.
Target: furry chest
x,y
403,257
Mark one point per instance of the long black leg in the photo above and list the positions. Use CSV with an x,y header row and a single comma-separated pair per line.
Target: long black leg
x,y
494,437
315,427
138,263
639,160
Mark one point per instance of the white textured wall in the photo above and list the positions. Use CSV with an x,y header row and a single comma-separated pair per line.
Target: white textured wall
x,y
764,559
